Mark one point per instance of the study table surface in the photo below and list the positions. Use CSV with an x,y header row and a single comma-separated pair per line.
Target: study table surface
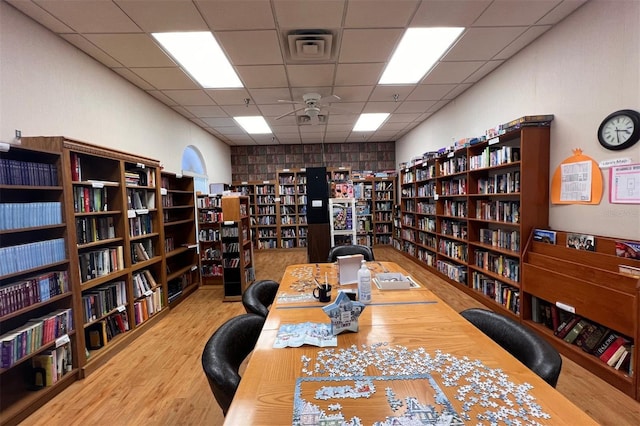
x,y
414,321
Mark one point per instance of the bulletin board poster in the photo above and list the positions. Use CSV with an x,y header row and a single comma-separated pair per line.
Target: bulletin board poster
x,y
624,187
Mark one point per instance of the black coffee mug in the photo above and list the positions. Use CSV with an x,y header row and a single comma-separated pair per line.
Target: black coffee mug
x,y
322,293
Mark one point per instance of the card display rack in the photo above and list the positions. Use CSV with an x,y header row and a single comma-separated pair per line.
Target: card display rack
x,y
342,221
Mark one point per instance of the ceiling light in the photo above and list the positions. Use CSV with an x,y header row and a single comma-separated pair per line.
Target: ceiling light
x,y
370,122
253,125
418,50
201,56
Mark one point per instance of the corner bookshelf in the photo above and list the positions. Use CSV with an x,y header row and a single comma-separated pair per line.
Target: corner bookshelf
x,y
237,250
209,221
35,278
588,285
463,213
266,215
182,267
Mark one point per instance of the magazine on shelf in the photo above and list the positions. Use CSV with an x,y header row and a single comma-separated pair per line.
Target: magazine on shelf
x,y
628,249
581,242
544,236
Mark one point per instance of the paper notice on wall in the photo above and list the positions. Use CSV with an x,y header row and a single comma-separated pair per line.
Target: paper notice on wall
x,y
624,187
576,181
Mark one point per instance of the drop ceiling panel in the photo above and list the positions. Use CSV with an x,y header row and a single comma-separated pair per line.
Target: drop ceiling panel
x,y
240,110
380,13
231,131
402,118
451,72
510,12
311,75
368,45
207,111
275,110
526,38
395,127
162,97
189,97
309,14
376,107
166,78
358,74
183,111
414,106
40,15
387,93
352,94
133,78
164,16
237,15
484,70
438,13
251,47
255,76
478,44
457,91
342,119
228,96
561,11
269,96
430,92
90,16
285,130
132,50
220,122
90,49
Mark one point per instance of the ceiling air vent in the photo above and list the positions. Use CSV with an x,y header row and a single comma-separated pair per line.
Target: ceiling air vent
x,y
304,46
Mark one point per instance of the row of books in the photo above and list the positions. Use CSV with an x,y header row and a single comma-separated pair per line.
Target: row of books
x,y
453,249
611,347
138,199
32,290
267,220
455,208
505,183
231,247
501,211
265,199
453,165
101,332
49,366
167,200
99,301
494,156
169,244
147,306
455,272
87,199
33,335
427,240
230,232
210,216
503,238
209,202
140,177
141,224
231,263
28,215
498,264
31,255
208,234
90,229
213,270
143,284
98,263
267,244
141,251
454,187
501,293
267,233
29,173
455,229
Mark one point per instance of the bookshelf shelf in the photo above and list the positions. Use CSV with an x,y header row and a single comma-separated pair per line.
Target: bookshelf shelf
x,y
209,238
236,247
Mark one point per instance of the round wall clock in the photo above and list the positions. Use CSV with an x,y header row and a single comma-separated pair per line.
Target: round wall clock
x,y
620,129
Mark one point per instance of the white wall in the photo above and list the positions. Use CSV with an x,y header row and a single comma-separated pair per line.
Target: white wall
x,y
581,70
50,88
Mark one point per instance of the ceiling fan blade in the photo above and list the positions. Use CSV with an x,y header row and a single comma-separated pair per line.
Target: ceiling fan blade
x,y
335,98
289,113
284,101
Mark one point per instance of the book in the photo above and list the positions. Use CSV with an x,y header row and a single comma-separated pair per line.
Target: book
x,y
573,334
629,270
612,348
544,236
624,360
616,356
570,324
628,249
581,242
604,343
591,341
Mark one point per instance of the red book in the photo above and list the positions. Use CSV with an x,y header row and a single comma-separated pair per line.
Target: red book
x,y
613,347
87,205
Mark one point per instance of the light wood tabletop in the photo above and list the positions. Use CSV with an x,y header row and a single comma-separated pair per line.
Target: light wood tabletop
x,y
410,346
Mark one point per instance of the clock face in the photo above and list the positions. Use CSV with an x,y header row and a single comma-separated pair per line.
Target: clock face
x,y
620,130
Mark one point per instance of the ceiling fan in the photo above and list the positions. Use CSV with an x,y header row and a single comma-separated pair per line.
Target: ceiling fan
x,y
311,106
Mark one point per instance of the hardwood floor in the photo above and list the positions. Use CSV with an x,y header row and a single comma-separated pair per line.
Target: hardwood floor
x,y
158,379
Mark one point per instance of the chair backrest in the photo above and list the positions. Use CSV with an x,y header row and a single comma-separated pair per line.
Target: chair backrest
x,y
225,350
336,251
520,341
259,296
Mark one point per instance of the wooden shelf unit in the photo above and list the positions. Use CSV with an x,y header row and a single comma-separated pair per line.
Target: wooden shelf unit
x,y
33,213
209,221
182,265
384,199
237,250
464,213
363,193
590,284
292,195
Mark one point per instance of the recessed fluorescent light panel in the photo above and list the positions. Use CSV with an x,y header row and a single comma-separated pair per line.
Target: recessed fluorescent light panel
x,y
201,56
253,125
370,122
418,50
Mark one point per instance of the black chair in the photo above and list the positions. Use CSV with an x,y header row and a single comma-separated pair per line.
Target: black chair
x,y
259,296
336,251
225,351
520,341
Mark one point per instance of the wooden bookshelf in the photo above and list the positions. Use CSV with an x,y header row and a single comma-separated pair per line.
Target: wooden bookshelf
x,y
35,241
182,264
587,284
210,219
237,250
292,196
383,201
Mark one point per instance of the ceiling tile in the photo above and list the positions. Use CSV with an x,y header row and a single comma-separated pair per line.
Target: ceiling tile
x,y
289,120
414,106
341,127
251,47
240,110
284,130
229,96
451,72
289,139
335,119
439,105
309,14
220,122
42,16
439,13
457,91
263,76
368,45
371,107
189,97
388,93
392,126
164,16
207,111
182,111
133,78
561,11
198,122
311,75
162,97
402,118
430,92
484,70
269,96
90,49
237,15
358,74
352,93
230,130
509,12
351,107
90,16
166,78
527,37
478,44
379,13
132,50
325,93
264,139
275,110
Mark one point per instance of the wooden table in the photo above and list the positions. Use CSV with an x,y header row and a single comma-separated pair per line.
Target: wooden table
x,y
414,319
